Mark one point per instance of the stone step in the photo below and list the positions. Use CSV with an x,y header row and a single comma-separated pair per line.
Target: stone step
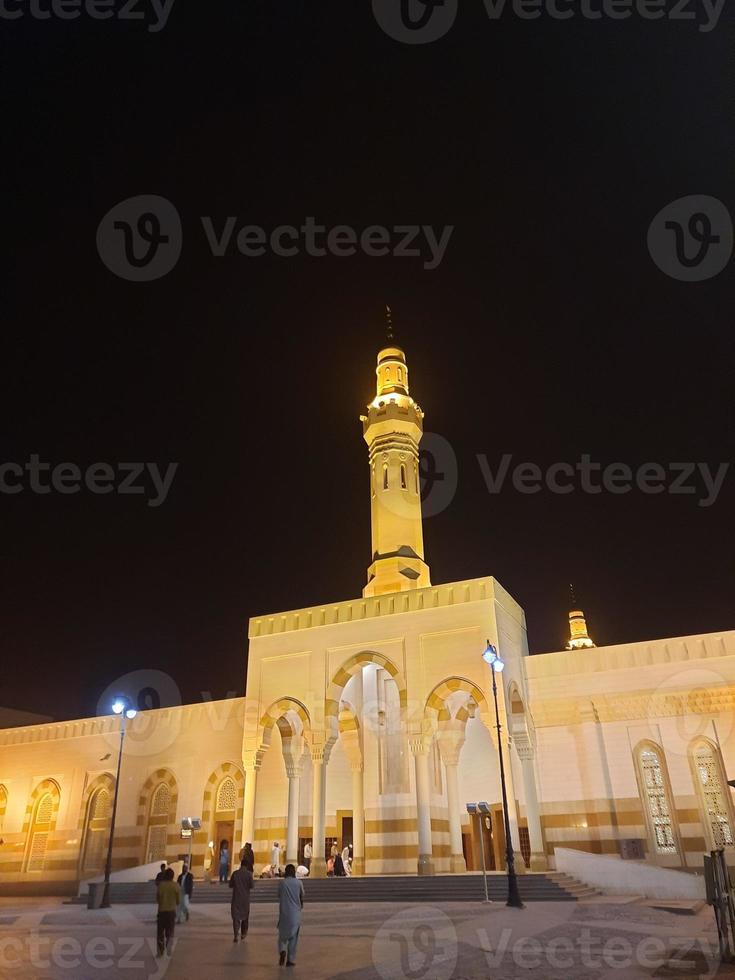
x,y
373,888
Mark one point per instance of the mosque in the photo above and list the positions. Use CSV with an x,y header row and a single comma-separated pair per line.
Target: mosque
x,y
371,721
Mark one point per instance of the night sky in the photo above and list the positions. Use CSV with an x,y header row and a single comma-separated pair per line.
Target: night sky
x,y
546,331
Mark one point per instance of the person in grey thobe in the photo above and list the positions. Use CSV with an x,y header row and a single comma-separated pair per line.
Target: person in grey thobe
x,y
290,903
241,884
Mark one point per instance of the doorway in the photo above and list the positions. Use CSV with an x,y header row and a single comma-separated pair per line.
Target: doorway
x,y
224,833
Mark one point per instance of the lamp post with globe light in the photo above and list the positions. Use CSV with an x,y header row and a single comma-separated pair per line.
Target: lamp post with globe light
x,y
493,659
123,707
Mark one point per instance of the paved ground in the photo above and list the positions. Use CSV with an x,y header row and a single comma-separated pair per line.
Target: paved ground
x,y
47,940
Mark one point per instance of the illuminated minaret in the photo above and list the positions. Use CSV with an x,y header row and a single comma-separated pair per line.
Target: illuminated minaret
x,y
578,635
392,429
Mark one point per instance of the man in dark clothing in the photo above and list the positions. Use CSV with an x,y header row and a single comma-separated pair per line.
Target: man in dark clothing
x,y
241,884
185,882
160,876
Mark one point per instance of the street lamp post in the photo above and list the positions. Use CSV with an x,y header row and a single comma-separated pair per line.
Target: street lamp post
x,y
492,657
123,707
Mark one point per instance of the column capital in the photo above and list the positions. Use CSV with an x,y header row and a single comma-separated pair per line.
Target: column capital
x,y
252,759
450,745
293,771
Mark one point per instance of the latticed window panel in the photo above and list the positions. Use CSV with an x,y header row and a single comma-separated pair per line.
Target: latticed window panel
x,y
713,794
102,805
37,855
45,809
226,795
657,801
156,844
161,801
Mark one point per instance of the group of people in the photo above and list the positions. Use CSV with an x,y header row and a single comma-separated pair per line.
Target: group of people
x,y
339,863
174,898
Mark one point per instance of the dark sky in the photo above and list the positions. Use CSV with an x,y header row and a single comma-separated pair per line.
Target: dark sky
x,y
546,332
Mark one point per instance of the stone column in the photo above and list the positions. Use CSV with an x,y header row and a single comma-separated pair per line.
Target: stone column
x,y
450,745
292,832
319,799
251,764
539,861
520,864
358,820
420,750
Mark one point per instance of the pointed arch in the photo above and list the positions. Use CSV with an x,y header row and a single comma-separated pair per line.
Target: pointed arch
x,y
713,794
157,805
351,666
277,712
436,708
40,822
95,815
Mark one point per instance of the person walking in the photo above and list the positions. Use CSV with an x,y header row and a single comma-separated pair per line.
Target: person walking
x,y
276,857
160,876
185,881
241,884
224,861
290,904
307,854
169,896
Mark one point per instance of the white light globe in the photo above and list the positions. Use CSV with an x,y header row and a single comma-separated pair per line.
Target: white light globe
x,y
490,655
118,707
498,665
131,713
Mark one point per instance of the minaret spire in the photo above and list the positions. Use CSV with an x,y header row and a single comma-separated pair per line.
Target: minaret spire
x,y
392,429
579,638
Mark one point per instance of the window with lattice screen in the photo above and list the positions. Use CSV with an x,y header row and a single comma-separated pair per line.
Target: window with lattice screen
x,y
712,795
39,832
657,799
102,805
156,844
226,795
37,854
161,801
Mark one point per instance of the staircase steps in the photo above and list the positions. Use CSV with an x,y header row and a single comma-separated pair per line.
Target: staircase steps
x,y
376,888
571,885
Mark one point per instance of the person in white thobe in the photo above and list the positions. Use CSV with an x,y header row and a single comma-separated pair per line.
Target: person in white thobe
x,y
275,857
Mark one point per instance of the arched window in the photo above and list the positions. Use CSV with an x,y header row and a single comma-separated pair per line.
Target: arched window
x,y
400,374
3,805
158,823
385,476
372,479
403,476
226,795
656,794
716,810
43,820
98,829
416,476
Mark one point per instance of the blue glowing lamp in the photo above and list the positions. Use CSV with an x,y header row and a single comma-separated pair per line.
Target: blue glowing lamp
x,y
492,657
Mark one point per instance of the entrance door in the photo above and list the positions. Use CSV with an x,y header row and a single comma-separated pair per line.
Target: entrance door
x,y
224,835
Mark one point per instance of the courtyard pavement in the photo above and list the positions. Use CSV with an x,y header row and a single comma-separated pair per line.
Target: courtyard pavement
x,y
48,940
